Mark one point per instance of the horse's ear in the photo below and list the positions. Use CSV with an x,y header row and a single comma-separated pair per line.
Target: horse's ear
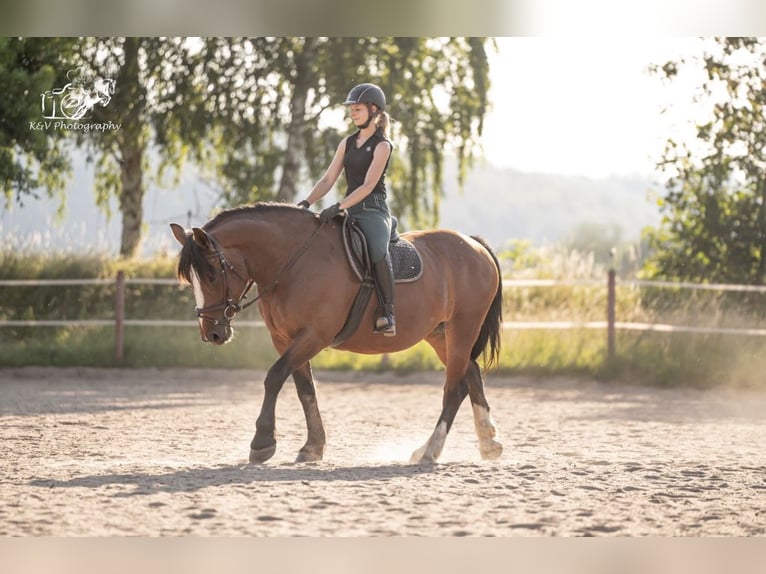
x,y
179,233
201,238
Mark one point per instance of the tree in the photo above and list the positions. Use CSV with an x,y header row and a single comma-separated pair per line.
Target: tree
x,y
31,157
714,222
437,90
252,112
156,103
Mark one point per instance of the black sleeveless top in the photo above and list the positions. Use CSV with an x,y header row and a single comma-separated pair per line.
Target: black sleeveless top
x,y
357,161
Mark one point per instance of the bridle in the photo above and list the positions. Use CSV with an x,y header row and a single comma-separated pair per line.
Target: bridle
x,y
231,307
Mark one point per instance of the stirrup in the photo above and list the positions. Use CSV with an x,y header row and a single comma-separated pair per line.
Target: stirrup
x,y
386,325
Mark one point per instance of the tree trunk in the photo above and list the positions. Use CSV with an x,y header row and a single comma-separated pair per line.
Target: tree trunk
x,y
131,198
304,78
761,278
131,148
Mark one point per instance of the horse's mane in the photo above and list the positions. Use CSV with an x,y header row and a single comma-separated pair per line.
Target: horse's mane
x,y
260,208
194,258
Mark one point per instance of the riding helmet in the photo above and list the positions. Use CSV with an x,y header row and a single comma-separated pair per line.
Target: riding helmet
x,y
366,94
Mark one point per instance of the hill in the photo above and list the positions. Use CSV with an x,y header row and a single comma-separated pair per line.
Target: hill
x,y
498,204
501,204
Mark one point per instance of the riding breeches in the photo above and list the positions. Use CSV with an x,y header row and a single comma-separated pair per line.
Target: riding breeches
x,y
373,217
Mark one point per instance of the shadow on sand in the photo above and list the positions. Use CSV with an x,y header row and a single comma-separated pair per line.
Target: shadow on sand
x,y
193,479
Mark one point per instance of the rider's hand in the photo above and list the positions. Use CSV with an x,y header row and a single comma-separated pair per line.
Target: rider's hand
x,y
304,204
329,213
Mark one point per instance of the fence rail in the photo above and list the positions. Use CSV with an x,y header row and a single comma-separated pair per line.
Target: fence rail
x,y
611,325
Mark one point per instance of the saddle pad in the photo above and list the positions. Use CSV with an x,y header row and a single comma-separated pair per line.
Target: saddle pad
x,y
405,259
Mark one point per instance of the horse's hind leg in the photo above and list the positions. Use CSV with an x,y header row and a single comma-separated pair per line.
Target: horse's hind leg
x,y
432,449
315,443
473,385
486,431
455,391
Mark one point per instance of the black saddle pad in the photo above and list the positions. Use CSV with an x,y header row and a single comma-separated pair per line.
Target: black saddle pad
x,y
405,259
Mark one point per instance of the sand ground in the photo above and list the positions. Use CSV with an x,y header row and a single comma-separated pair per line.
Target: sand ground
x,y
100,452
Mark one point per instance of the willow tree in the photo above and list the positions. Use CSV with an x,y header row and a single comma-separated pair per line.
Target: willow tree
x,y
155,106
253,113
714,222
282,139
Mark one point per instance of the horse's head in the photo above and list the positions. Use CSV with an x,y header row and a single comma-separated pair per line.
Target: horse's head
x,y
218,277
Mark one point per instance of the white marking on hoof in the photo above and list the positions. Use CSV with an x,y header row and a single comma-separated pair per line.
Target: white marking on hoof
x,y
486,431
430,451
490,450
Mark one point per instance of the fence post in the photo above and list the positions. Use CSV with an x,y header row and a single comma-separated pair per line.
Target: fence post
x,y
610,315
119,317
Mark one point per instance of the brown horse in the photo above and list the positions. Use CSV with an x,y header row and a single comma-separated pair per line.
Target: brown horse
x,y
306,288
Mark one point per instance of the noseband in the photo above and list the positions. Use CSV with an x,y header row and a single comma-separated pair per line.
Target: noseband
x,y
230,307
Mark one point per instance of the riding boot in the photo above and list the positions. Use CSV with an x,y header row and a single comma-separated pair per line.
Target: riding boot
x,y
384,275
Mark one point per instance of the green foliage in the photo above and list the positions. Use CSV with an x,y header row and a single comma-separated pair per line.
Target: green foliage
x,y
30,158
271,96
692,360
250,111
156,102
714,224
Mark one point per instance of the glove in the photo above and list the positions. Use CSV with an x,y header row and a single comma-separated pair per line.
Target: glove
x,y
328,213
304,204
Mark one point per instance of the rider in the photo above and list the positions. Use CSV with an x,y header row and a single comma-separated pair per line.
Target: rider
x,y
364,156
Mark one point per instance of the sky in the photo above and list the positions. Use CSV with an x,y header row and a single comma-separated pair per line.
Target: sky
x,y
584,106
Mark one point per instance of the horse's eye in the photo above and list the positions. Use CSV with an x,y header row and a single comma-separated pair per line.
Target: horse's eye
x,y
212,277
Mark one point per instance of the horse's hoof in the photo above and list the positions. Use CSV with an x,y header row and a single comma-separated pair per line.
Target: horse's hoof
x,y
309,456
262,454
420,456
491,450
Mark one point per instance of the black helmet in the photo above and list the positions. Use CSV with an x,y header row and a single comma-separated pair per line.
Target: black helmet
x,y
366,94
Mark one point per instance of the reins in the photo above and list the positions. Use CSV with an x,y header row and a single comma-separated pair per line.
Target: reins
x,y
231,307
286,267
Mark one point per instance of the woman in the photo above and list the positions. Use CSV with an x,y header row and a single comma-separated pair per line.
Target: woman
x,y
364,157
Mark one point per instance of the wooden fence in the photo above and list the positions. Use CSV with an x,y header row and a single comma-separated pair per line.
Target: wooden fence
x,y
610,325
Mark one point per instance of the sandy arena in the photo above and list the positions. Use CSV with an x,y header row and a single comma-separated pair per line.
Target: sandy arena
x,y
98,452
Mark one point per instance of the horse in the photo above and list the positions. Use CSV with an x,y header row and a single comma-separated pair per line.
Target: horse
x,y
306,287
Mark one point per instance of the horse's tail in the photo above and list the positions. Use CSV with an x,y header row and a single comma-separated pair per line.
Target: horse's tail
x,y
493,322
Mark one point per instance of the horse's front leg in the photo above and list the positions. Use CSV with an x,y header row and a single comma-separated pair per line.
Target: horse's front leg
x,y
264,443
297,353
304,383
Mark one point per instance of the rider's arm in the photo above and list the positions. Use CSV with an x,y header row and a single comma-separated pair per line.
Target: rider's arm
x,y
330,176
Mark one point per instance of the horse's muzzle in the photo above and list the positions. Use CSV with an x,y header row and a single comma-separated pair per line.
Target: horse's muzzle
x,y
217,334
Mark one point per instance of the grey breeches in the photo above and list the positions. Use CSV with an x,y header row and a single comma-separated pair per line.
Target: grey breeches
x,y
373,217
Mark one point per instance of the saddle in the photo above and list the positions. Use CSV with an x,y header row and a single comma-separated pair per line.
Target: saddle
x,y
405,260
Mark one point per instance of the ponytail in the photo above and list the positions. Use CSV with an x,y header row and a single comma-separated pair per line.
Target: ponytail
x,y
382,121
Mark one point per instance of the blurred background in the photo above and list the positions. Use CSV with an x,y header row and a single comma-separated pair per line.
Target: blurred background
x,y
572,155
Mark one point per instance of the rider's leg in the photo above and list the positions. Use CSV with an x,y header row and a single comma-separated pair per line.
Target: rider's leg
x,y
384,275
373,217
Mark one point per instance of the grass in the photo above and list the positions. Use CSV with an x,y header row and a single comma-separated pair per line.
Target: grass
x,y
648,357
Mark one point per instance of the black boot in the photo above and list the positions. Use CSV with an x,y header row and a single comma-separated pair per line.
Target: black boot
x,y
384,275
